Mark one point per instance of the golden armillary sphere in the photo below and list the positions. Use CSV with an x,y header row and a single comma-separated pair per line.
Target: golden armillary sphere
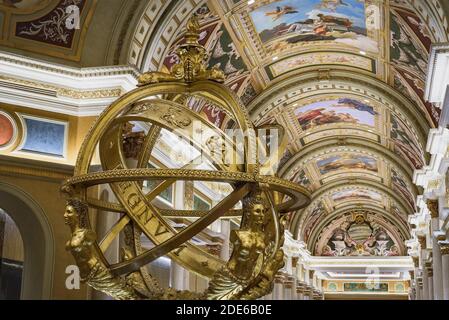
x,y
256,197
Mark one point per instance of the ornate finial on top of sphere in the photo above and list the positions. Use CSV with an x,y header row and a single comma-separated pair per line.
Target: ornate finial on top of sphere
x,y
193,30
191,66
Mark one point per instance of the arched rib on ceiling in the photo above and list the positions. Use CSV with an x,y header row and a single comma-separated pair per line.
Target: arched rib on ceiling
x,y
156,31
355,142
349,93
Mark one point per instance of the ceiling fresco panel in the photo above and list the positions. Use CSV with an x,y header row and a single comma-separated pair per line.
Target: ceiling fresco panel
x,y
344,110
286,23
346,162
319,59
356,194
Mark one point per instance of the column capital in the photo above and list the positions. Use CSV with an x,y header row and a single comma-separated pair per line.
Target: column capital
x,y
295,261
308,289
432,205
444,248
422,241
416,261
288,284
279,278
430,272
300,286
419,282
316,294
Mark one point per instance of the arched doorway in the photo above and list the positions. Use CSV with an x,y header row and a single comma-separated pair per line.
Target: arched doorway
x,y
11,258
38,242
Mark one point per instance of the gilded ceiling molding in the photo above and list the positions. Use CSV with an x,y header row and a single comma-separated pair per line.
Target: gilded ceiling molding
x,y
300,85
34,169
161,20
52,87
7,59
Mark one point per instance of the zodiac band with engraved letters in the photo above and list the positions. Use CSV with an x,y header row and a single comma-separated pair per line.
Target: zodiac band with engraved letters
x,y
145,229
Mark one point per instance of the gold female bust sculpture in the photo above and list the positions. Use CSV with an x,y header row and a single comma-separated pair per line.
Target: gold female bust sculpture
x,y
249,242
83,239
82,246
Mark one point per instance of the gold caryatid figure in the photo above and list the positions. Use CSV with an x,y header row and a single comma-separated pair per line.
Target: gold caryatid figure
x,y
145,228
249,241
82,246
192,58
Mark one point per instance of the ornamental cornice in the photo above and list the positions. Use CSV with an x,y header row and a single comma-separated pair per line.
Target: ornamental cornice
x,y
56,88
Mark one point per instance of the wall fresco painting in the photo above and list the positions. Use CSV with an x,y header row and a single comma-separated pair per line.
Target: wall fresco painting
x,y
403,216
400,186
292,22
213,114
360,238
226,57
365,287
347,162
317,212
418,27
301,178
404,143
44,137
2,18
404,52
417,86
343,110
285,157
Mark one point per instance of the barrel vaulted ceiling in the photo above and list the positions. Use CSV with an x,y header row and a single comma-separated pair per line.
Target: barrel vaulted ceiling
x,y
346,78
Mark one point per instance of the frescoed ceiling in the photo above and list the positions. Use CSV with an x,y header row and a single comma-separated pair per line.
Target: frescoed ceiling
x,y
91,35
346,79
351,97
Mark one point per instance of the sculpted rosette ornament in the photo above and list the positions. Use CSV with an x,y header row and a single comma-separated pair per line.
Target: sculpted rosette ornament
x,y
257,197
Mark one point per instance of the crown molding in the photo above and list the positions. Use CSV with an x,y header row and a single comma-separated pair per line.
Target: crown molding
x,y
56,88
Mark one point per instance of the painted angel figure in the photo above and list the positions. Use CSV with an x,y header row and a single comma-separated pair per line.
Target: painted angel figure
x,y
280,12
